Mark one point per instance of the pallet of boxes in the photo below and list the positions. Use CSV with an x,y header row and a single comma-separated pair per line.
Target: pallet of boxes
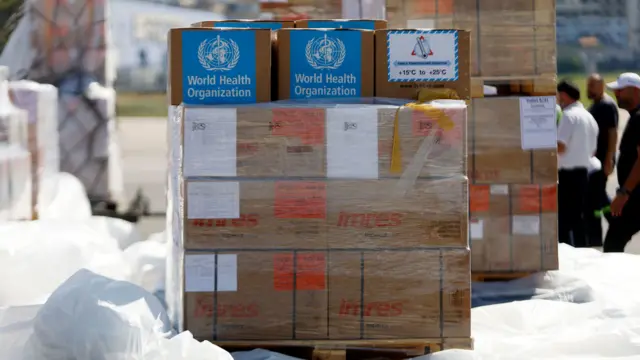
x,y
308,217
512,129
15,159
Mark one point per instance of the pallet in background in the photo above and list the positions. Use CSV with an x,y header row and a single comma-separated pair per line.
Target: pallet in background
x,y
352,349
498,276
541,85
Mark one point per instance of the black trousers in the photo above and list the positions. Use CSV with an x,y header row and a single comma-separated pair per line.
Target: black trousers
x,y
572,191
623,227
597,199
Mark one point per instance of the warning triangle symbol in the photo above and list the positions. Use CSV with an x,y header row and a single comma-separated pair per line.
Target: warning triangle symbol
x,y
413,53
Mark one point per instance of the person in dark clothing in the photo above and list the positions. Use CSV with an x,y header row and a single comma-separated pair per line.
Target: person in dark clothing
x,y
605,112
625,207
577,138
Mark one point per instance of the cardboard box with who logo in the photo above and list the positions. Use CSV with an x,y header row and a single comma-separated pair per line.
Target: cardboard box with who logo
x,y
213,66
324,64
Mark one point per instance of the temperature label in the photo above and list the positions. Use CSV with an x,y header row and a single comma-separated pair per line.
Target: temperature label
x,y
422,55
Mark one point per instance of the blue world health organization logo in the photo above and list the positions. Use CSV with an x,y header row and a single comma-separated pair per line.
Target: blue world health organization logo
x,y
218,54
325,64
325,53
218,67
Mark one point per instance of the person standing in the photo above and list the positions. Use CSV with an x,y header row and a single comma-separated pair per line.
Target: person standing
x,y
605,112
625,207
577,137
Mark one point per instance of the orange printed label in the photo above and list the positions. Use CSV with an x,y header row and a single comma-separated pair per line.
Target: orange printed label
x,y
300,200
550,198
441,7
479,198
283,272
305,124
529,198
310,272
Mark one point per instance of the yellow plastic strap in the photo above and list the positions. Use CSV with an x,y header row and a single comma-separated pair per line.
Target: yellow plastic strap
x,y
396,151
443,121
426,95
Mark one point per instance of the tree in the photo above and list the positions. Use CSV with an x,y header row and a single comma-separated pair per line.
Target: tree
x,y
10,13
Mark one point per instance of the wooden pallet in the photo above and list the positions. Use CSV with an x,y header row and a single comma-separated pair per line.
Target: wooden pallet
x,y
542,85
498,276
352,349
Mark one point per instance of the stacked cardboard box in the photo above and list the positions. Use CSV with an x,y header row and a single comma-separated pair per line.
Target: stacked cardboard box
x,y
304,219
513,167
512,156
510,38
293,226
511,138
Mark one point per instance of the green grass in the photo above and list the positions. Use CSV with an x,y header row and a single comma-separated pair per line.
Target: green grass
x,y
141,104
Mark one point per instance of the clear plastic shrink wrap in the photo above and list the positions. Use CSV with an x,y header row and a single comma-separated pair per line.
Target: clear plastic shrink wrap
x,y
295,221
40,101
15,159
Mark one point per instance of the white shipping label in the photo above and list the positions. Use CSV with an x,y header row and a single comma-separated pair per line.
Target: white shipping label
x,y
199,273
213,200
422,55
538,124
227,272
352,143
476,229
499,189
526,225
209,142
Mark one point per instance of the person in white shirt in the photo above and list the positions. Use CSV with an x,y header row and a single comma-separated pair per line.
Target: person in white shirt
x,y
577,142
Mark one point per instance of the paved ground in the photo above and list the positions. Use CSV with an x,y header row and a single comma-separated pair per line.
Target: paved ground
x,y
144,151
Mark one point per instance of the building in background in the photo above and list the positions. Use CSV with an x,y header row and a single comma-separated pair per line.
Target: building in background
x,y
614,23
139,34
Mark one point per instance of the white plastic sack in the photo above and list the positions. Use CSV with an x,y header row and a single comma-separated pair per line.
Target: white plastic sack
x,y
62,196
123,231
16,326
37,256
159,237
148,263
596,314
185,347
91,317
